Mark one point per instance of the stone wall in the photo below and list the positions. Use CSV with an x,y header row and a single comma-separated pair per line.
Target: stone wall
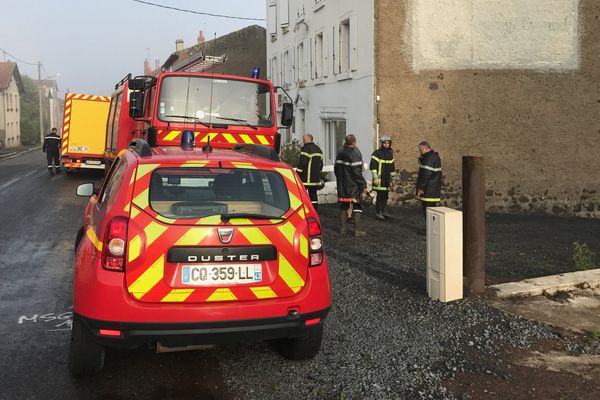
x,y
534,115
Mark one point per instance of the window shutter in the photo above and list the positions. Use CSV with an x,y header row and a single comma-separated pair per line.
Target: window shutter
x,y
284,13
354,43
272,20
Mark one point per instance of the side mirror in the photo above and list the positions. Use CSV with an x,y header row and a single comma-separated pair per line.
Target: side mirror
x,y
287,114
136,104
136,83
85,189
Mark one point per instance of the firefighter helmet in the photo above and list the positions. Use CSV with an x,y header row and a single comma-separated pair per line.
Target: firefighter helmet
x,y
385,138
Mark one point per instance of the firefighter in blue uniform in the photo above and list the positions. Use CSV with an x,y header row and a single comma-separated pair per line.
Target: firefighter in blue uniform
x,y
429,181
309,168
350,184
52,149
383,168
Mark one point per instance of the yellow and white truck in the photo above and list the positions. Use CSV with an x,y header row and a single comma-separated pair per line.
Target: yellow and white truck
x,y
84,131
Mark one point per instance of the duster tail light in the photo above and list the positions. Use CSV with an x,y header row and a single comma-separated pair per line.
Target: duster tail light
x,y
115,244
315,241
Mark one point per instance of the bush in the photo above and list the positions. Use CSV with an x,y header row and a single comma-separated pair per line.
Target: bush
x,y
582,257
290,153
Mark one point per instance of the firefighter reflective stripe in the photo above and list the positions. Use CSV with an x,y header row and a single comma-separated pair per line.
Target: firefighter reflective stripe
x,y
91,234
148,279
222,295
193,237
289,275
427,167
288,230
429,199
354,164
380,188
254,236
177,296
379,160
135,246
263,292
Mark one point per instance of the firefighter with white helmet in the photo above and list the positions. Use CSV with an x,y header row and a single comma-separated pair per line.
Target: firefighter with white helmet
x,y
383,168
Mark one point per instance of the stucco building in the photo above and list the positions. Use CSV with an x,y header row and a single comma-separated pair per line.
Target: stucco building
x,y
11,89
515,82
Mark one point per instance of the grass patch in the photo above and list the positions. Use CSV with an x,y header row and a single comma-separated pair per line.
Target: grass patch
x,y
582,257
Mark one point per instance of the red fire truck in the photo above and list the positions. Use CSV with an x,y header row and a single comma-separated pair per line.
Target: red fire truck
x,y
224,110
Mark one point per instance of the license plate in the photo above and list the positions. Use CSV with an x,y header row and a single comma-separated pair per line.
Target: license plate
x,y
222,274
93,162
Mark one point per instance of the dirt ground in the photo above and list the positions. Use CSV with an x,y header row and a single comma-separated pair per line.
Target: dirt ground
x,y
518,247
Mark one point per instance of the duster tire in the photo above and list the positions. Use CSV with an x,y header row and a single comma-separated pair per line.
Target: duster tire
x,y
86,357
304,347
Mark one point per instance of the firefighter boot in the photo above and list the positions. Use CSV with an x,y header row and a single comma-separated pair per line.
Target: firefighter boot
x,y
343,224
357,231
384,212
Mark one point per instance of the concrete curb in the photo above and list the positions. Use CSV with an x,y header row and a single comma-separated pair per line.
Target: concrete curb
x,y
548,284
14,153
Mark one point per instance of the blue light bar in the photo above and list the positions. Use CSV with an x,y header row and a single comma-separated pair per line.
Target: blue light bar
x,y
187,139
256,73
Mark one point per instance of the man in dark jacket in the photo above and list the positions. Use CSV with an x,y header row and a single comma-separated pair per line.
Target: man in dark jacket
x,y
429,181
350,183
383,169
309,168
52,149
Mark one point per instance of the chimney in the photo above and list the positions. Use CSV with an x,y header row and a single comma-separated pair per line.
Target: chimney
x,y
179,45
146,67
201,37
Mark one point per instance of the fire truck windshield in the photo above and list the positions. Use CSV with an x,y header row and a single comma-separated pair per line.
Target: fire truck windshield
x,y
236,102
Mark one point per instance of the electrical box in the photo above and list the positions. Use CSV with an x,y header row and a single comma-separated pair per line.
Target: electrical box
x,y
444,254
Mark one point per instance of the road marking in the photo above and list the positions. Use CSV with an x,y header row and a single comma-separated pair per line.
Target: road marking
x,y
32,172
10,182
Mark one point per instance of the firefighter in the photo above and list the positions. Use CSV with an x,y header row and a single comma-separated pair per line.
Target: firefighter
x,y
429,181
309,168
350,184
383,169
52,149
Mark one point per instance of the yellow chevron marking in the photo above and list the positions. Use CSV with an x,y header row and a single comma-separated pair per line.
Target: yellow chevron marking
x,y
241,221
247,165
153,231
68,105
304,246
132,179
229,137
222,295
144,169
289,275
288,230
263,292
141,200
262,139
246,139
302,213
94,97
287,173
212,220
64,151
67,119
193,237
172,135
135,246
194,163
210,135
165,219
91,234
127,207
134,212
177,295
254,236
294,201
149,279
87,96
65,136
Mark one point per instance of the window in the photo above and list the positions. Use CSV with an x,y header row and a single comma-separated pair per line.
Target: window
x,y
284,14
344,46
319,54
190,193
335,134
115,123
111,190
272,21
286,68
301,63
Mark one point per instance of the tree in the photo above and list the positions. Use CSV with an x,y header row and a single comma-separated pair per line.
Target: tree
x,y
30,120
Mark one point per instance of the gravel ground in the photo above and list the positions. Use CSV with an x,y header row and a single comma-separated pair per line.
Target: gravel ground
x,y
384,338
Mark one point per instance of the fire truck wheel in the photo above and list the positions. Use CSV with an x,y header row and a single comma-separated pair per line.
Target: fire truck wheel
x,y
303,347
86,357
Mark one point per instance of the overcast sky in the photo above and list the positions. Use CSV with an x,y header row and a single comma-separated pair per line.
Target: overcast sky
x,y
92,44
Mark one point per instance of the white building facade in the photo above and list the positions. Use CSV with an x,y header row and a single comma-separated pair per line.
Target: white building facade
x,y
321,53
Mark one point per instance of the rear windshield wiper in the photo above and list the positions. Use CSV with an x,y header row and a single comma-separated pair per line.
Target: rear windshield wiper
x,y
195,119
227,217
241,121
